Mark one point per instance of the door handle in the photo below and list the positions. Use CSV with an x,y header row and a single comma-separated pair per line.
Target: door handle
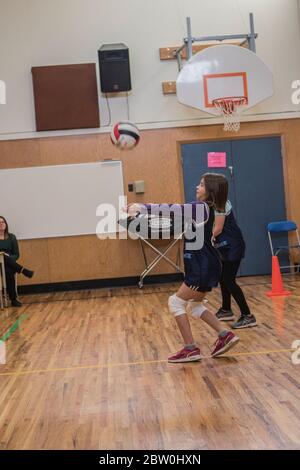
x,y
230,168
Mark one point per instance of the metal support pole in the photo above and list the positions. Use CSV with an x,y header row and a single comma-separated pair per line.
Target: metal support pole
x,y
189,44
177,54
252,37
221,38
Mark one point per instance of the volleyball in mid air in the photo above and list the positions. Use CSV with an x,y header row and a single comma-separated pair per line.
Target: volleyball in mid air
x,y
125,135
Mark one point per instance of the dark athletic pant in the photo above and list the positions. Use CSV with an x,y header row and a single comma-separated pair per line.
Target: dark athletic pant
x,y
229,287
11,268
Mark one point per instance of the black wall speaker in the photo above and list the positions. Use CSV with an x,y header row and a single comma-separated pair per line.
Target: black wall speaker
x,y
114,68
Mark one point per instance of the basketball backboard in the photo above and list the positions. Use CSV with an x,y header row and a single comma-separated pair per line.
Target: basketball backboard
x,y
223,71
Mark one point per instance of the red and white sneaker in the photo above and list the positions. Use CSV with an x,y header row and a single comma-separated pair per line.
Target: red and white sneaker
x,y
224,343
186,355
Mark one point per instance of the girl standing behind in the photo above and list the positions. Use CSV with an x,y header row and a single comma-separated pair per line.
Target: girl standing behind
x,y
228,239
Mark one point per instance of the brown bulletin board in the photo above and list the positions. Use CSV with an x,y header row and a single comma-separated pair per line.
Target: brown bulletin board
x,y
65,97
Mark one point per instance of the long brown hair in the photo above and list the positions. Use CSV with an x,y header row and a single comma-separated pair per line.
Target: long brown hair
x,y
6,231
216,188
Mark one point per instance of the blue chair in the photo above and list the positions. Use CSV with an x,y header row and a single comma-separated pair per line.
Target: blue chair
x,y
284,226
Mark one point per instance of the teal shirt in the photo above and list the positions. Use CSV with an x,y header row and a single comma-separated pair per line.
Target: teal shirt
x,y
10,246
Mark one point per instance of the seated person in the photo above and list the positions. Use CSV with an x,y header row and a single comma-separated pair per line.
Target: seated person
x,y
9,246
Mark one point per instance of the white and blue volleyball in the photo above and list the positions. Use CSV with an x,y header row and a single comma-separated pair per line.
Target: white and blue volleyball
x,y
125,135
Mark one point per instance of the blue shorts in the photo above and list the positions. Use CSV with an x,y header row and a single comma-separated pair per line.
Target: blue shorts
x,y
196,288
202,269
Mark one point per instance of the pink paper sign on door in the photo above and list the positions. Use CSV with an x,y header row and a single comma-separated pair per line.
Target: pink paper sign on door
x,y
216,159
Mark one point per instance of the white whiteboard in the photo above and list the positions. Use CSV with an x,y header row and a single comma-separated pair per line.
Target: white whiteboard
x,y
58,201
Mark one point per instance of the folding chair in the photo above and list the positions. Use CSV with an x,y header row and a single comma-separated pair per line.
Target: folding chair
x,y
155,228
3,292
284,226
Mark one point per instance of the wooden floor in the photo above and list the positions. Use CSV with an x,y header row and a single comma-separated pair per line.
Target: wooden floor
x,y
88,370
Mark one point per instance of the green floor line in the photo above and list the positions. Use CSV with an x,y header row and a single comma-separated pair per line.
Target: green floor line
x,y
13,328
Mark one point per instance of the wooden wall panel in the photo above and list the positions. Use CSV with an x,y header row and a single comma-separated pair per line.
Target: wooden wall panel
x,y
35,255
87,257
20,153
156,161
69,150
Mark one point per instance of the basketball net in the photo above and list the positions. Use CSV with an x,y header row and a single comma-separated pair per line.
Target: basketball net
x,y
230,108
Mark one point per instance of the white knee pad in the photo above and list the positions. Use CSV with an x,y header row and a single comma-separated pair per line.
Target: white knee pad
x,y
176,305
197,309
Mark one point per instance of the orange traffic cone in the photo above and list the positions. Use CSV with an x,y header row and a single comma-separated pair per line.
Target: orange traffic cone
x,y
277,286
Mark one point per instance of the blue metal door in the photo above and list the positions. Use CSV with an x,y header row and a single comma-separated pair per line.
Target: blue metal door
x,y
195,163
259,185
256,190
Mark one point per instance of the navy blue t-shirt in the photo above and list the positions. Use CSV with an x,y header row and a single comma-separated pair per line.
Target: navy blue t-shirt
x,y
201,261
230,242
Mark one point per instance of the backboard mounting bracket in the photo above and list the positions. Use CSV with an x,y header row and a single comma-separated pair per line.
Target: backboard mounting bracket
x,y
189,40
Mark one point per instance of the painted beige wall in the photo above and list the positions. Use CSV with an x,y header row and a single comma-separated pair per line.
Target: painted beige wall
x,y
35,33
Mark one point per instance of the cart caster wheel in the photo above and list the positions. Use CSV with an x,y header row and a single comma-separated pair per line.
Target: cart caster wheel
x,y
140,284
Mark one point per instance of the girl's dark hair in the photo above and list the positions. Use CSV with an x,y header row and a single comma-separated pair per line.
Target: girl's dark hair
x,y
6,232
216,188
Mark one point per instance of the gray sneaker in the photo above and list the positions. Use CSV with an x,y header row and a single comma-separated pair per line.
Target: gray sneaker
x,y
245,321
224,315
